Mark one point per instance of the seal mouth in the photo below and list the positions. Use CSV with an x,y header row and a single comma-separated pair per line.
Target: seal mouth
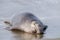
x,y
34,31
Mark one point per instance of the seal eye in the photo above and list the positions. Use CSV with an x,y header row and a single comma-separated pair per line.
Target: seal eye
x,y
33,24
39,25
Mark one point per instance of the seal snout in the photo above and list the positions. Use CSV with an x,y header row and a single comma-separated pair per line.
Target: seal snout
x,y
43,30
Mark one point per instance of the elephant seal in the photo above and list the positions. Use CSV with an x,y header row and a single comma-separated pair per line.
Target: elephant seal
x,y
26,22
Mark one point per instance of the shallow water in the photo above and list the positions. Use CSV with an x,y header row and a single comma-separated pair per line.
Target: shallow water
x,y
47,10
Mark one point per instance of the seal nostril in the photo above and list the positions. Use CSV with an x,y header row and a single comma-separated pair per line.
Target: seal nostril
x,y
44,28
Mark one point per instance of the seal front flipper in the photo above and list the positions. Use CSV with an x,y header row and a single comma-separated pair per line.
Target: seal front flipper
x,y
7,23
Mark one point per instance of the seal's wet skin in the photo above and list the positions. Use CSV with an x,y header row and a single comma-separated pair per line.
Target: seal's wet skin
x,y
27,22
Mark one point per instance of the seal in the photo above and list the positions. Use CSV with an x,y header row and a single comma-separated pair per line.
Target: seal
x,y
26,22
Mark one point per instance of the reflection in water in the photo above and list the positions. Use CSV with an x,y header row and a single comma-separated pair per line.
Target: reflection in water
x,y
25,36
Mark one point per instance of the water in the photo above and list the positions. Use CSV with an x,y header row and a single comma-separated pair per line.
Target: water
x,y
47,10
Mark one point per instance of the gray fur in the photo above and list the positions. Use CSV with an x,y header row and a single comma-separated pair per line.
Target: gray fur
x,y
27,22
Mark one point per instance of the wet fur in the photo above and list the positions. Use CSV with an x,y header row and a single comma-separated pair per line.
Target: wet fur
x,y
23,22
